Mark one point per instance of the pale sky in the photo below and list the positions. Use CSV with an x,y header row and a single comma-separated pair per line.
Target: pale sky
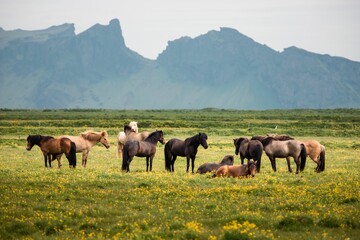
x,y
320,26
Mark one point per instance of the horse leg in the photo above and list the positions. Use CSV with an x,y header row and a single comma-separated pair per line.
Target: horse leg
x,y
147,163
192,164
187,164
242,159
84,157
172,169
273,163
45,159
119,149
289,165
151,161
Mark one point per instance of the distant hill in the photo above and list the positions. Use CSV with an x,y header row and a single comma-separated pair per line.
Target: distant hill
x,y
55,68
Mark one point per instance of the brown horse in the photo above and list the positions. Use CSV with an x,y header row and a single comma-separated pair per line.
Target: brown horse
x,y
249,149
237,170
284,149
86,141
130,133
209,167
146,148
52,147
316,152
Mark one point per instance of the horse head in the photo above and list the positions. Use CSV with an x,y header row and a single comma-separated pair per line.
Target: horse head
x,y
127,129
227,160
134,126
30,142
202,139
104,139
251,166
161,137
237,143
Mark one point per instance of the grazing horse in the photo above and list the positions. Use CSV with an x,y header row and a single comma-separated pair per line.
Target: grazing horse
x,y
284,149
249,149
53,146
86,141
188,148
132,132
237,171
209,167
146,148
316,152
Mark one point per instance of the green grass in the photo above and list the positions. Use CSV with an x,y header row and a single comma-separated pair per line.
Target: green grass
x,y
101,201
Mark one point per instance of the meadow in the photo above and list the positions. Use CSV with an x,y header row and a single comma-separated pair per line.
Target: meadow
x,y
102,202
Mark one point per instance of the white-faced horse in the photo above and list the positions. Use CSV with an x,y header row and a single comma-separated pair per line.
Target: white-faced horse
x,y
86,141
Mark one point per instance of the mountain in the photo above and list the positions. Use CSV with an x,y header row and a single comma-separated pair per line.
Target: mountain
x,y
55,68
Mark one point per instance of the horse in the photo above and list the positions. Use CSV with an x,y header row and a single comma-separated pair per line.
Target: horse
x,y
237,170
188,148
316,152
249,149
52,147
86,141
284,149
209,167
146,148
122,136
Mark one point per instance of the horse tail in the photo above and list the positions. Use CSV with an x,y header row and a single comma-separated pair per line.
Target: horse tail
x,y
125,155
257,158
72,154
168,155
322,159
303,157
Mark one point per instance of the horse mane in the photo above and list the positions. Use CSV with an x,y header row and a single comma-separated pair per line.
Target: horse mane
x,y
283,137
267,140
195,138
153,133
93,136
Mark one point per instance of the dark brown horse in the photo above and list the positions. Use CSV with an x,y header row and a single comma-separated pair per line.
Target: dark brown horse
x,y
146,148
244,170
284,149
249,149
209,167
53,147
188,148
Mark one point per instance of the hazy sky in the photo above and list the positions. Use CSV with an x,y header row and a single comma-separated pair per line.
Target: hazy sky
x,y
320,26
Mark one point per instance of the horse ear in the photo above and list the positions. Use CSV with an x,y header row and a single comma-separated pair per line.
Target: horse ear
x,y
103,134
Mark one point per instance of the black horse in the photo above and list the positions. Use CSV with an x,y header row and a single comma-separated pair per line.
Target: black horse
x,y
53,147
212,166
188,148
146,148
249,149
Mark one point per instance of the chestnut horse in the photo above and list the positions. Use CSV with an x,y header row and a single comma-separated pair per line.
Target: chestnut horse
x,y
209,167
146,148
53,147
237,170
86,141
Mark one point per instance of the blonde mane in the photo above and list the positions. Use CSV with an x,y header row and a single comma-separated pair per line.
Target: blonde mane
x,y
93,136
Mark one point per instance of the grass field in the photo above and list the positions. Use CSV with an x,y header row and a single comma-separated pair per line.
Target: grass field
x,y
102,202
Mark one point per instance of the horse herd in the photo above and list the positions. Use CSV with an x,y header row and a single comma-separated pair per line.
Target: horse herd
x,y
131,143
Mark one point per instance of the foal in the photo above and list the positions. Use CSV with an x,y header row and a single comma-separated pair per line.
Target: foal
x,y
237,171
